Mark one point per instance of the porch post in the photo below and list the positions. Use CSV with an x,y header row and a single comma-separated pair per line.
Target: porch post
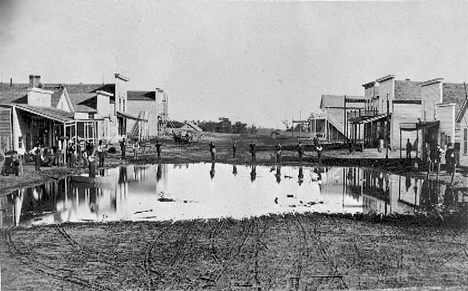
x,y
400,143
417,143
64,146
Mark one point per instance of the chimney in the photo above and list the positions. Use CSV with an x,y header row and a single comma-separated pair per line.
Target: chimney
x,y
34,81
11,82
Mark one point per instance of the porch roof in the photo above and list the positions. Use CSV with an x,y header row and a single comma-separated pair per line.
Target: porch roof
x,y
412,126
128,116
47,112
367,119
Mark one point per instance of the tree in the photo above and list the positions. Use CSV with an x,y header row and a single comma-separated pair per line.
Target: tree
x,y
287,124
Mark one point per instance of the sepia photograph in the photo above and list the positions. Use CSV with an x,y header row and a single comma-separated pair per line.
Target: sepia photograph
x,y
233,145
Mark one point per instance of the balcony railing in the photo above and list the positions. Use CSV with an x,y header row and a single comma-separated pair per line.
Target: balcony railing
x,y
370,112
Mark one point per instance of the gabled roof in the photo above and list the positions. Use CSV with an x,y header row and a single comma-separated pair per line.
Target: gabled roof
x,y
84,102
82,88
141,95
55,98
407,90
336,100
15,94
454,93
192,126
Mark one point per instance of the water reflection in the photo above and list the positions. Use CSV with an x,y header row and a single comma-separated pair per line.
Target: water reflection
x,y
253,172
212,171
179,192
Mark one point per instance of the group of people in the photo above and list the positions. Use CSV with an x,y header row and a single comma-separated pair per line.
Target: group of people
x,y
74,152
136,149
433,156
278,151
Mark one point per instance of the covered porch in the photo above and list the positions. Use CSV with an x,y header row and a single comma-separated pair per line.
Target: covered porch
x,y
428,130
368,129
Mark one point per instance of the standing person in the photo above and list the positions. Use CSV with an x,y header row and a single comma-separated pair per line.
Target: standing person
x,y
253,151
409,148
278,153
300,151
123,148
450,159
71,153
92,165
212,151
234,149
436,156
100,151
79,156
158,149
318,148
136,146
427,153
37,157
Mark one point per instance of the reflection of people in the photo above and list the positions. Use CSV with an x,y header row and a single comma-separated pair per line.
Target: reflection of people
x,y
212,171
159,173
253,173
300,176
278,174
234,170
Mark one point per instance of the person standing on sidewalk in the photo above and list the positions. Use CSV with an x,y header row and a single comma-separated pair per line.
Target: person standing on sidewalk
x,y
123,148
136,147
409,148
100,151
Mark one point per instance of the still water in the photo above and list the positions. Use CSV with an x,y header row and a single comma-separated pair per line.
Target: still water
x,y
177,192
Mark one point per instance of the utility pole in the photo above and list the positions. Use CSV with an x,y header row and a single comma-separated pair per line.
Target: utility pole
x,y
388,128
345,122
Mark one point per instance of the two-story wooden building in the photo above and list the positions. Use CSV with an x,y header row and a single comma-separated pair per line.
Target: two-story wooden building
x,y
46,113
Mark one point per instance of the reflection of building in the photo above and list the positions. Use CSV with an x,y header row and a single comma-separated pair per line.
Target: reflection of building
x,y
387,193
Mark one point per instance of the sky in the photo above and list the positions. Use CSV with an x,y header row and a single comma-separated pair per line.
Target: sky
x,y
258,62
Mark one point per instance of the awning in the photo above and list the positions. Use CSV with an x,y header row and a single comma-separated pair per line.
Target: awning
x,y
47,112
128,116
364,120
412,126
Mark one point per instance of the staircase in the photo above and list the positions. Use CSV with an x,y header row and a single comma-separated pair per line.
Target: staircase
x,y
136,128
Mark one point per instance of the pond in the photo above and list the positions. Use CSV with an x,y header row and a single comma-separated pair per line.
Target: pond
x,y
179,192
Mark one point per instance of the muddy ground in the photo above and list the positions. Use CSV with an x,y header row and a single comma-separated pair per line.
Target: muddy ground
x,y
291,252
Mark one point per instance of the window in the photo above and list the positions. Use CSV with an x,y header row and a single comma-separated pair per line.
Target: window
x,y
465,141
20,142
123,101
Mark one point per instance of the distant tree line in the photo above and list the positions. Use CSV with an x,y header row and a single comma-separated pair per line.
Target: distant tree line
x,y
223,125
